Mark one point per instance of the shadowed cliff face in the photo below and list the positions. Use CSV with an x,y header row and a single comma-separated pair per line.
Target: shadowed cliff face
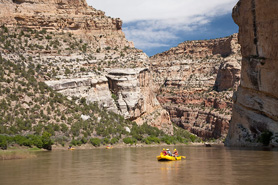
x,y
255,116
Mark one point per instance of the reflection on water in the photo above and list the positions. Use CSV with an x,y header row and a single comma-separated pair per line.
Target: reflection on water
x,y
204,165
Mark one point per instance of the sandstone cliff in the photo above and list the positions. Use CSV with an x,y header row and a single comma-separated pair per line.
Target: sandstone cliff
x,y
82,53
127,92
194,82
73,16
255,117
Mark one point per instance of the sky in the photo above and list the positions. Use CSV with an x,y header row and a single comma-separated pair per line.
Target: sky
x,y
157,25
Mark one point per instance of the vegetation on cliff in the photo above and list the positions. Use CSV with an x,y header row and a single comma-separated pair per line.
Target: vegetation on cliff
x,y
31,113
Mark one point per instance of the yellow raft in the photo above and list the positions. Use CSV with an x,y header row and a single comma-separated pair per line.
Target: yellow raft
x,y
162,157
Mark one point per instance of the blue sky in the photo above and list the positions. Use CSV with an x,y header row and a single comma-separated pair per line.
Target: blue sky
x,y
157,25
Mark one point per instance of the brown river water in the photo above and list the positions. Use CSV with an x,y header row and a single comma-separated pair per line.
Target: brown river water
x,y
127,166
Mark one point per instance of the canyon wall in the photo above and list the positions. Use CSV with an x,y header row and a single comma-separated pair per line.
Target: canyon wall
x,y
82,53
123,91
255,116
195,82
73,16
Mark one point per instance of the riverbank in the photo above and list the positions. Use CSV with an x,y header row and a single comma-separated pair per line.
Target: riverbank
x,y
123,145
18,153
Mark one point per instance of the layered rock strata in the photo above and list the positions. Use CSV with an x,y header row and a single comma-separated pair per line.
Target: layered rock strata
x,y
195,81
73,16
255,116
135,98
81,52
123,91
93,88
195,64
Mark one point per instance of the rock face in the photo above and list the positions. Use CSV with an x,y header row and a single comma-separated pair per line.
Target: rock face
x,y
194,64
228,75
131,92
123,91
92,87
204,123
82,53
73,16
186,78
202,49
135,97
255,116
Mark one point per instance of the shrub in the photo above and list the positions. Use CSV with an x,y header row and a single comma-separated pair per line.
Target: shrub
x,y
84,140
193,138
76,142
48,37
19,139
3,142
265,138
114,141
130,140
49,129
35,140
146,140
154,139
83,100
169,140
95,141
64,128
56,127
46,141
105,141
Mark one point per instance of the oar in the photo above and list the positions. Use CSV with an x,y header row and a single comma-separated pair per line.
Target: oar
x,y
183,157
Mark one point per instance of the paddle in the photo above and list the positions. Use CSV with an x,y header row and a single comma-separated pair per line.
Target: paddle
x,y
183,157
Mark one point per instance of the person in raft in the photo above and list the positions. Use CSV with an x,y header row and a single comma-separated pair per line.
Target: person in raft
x,y
164,152
175,153
168,152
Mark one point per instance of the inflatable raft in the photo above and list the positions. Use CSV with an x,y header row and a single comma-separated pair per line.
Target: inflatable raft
x,y
162,157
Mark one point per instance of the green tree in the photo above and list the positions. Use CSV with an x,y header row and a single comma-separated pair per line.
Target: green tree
x,y
95,141
3,142
46,141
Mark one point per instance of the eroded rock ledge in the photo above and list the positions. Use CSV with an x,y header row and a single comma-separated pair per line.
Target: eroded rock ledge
x,y
124,91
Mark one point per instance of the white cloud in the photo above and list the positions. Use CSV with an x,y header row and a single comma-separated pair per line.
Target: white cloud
x,y
131,10
147,37
151,23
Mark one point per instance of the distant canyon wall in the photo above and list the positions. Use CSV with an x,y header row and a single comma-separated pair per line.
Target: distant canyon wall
x,y
255,116
195,82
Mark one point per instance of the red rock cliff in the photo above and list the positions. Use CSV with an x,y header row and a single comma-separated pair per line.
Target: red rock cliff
x,y
255,116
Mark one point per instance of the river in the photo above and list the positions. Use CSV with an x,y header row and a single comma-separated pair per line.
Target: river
x,y
127,166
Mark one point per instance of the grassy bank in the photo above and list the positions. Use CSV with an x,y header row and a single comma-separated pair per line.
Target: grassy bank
x,y
17,154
